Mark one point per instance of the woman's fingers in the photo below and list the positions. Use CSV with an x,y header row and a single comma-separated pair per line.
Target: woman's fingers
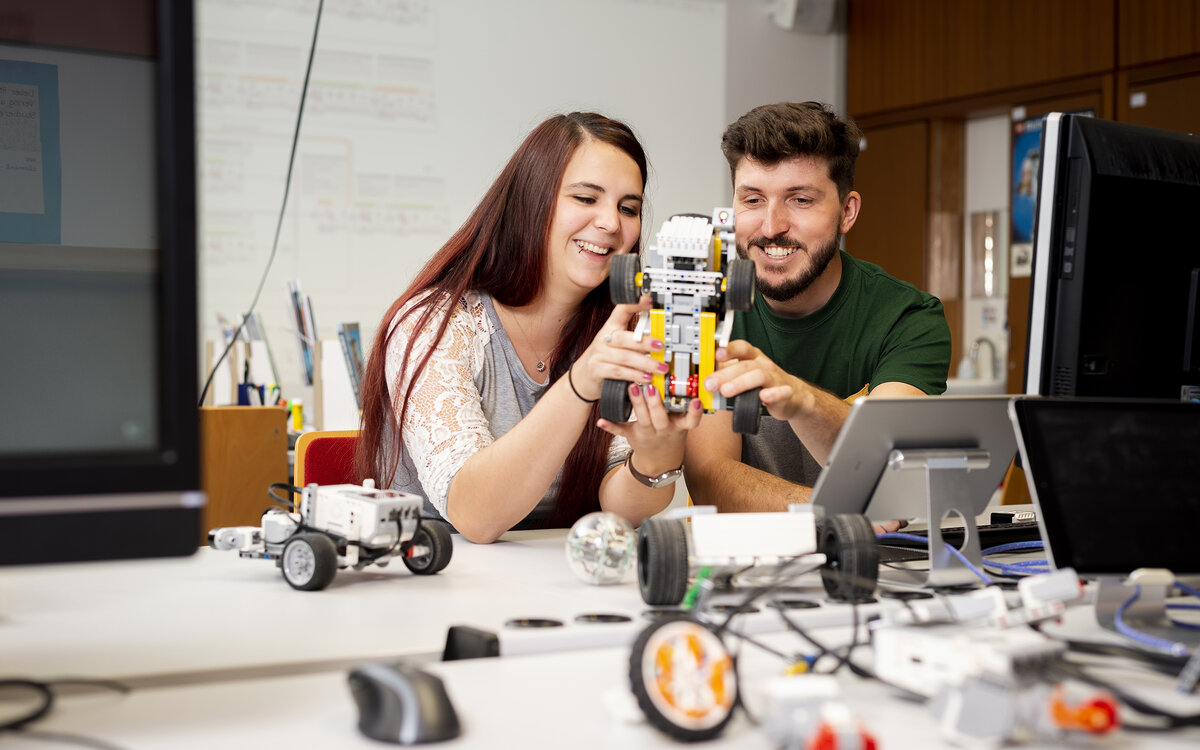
x,y
648,407
618,319
650,419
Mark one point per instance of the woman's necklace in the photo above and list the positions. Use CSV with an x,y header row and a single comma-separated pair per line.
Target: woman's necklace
x,y
541,361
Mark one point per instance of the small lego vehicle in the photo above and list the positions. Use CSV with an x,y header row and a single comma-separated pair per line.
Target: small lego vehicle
x,y
694,276
683,676
671,550
680,670
341,526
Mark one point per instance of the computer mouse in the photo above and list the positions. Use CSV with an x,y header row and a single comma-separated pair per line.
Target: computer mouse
x,y
403,704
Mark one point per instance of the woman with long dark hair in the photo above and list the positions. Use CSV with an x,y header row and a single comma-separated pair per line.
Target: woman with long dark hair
x,y
482,386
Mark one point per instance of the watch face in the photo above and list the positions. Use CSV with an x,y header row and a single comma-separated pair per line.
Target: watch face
x,y
663,480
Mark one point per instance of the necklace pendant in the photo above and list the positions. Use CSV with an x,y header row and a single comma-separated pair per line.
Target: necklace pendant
x,y
541,366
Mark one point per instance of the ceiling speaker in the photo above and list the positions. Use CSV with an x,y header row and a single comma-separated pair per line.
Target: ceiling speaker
x,y
809,16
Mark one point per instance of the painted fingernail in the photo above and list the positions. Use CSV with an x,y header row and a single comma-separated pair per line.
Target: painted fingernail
x,y
663,367
647,376
650,390
656,344
634,390
696,404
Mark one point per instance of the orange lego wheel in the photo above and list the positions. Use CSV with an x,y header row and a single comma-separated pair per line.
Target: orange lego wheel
x,y
684,678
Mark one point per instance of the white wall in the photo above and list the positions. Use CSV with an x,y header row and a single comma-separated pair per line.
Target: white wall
x,y
987,189
767,63
413,107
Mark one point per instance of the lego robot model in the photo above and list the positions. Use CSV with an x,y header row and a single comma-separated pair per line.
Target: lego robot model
x,y
680,670
673,549
698,283
341,526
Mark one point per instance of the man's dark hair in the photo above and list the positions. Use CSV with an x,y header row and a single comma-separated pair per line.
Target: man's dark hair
x,y
774,132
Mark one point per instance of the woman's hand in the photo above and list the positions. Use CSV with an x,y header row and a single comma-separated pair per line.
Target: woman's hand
x,y
656,437
616,354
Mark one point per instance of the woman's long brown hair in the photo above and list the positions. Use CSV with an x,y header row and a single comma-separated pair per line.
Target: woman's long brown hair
x,y
501,249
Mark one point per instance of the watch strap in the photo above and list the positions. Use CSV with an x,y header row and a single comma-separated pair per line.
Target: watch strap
x,y
662,480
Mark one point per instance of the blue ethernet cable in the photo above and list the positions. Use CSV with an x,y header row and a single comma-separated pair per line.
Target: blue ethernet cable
x,y
1165,645
953,550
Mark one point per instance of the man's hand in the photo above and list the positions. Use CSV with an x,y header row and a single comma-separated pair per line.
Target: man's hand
x,y
889,527
745,367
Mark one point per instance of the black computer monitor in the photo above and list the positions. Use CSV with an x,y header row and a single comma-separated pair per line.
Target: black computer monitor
x,y
99,448
1113,302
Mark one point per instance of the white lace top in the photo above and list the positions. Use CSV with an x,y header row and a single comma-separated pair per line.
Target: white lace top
x,y
473,390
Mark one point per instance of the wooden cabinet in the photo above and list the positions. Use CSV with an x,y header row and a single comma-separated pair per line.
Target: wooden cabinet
x,y
243,451
1156,30
909,53
1163,96
892,177
910,224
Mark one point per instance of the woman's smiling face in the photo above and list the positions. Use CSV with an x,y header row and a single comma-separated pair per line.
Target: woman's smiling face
x,y
598,214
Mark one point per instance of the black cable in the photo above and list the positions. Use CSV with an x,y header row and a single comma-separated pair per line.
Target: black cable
x,y
44,690
759,592
1160,662
285,502
45,701
287,184
1170,719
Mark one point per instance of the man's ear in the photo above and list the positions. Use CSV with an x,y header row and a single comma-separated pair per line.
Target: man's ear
x,y
850,208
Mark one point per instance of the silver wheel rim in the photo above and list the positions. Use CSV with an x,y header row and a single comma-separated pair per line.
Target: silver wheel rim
x,y
299,562
420,562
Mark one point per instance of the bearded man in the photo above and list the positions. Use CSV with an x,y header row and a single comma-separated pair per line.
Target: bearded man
x,y
825,327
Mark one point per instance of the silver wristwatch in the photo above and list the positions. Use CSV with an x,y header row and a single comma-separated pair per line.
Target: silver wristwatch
x,y
662,480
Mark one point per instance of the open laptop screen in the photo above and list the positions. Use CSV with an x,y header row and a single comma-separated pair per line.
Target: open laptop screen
x,y
1116,482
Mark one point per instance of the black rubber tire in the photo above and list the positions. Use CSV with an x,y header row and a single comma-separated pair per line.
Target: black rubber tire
x,y
740,285
851,570
746,410
688,723
309,562
615,405
435,536
662,561
622,279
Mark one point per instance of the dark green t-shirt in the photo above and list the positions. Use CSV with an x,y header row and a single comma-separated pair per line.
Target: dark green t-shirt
x,y
875,329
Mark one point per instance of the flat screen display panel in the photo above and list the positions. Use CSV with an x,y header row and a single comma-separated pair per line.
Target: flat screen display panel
x,y
99,455
1116,482
1116,265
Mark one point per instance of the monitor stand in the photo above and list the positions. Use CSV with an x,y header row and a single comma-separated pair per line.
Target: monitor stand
x,y
1145,614
947,494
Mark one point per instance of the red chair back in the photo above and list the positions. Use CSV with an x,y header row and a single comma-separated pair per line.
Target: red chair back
x,y
326,457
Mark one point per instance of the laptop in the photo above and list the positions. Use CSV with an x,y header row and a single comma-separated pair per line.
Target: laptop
x,y
1116,482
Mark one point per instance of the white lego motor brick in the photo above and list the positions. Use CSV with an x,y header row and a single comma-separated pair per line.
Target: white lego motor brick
x,y
750,538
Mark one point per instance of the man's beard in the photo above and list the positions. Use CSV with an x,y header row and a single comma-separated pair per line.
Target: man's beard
x,y
790,288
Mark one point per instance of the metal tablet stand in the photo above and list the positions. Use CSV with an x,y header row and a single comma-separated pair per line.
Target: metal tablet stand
x,y
947,493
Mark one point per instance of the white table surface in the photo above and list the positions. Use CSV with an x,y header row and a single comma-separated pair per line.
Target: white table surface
x,y
216,616
577,699
215,611
222,652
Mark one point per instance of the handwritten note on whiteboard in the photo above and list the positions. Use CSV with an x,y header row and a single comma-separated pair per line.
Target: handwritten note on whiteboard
x,y
21,190
30,152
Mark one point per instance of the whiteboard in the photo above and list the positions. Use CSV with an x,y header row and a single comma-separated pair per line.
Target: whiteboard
x,y
412,109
